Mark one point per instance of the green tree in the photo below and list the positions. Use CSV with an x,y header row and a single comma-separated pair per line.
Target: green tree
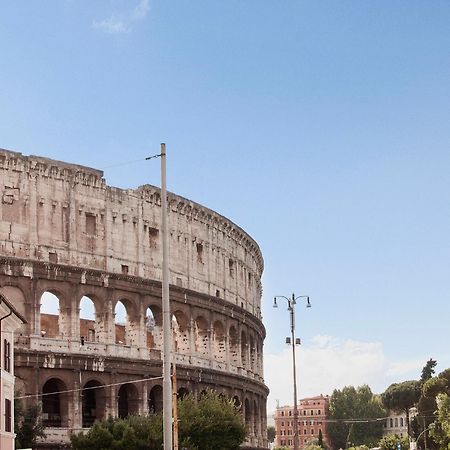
x,y
132,433
428,370
440,430
355,403
270,433
320,440
28,424
390,442
211,422
401,397
436,391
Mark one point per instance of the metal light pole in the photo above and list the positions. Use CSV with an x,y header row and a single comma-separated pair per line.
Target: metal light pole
x,y
293,341
167,323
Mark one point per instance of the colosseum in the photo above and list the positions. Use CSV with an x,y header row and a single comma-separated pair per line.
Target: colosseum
x,y
81,261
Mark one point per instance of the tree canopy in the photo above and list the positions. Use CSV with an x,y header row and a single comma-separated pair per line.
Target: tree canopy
x,y
354,403
208,423
401,397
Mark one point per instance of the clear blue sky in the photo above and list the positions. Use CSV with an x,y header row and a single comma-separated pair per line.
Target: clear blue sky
x,y
320,127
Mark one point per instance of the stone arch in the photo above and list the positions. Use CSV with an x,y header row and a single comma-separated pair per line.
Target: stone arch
x,y
54,320
233,345
255,410
55,403
126,323
93,403
182,392
219,342
155,399
180,331
248,415
244,350
252,353
201,336
153,327
87,320
128,400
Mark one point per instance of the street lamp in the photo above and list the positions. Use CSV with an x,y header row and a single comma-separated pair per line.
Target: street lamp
x,y
293,341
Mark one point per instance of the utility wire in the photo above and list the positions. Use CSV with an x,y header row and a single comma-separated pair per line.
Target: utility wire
x,y
86,388
134,161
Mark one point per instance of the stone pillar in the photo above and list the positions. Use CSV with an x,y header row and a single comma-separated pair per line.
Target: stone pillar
x,y
144,399
111,398
75,399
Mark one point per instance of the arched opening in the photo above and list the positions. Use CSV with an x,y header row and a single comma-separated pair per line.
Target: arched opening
x,y
128,401
54,403
252,354
52,318
155,400
255,419
244,350
88,326
248,416
201,336
219,342
234,346
120,323
93,403
182,392
237,402
153,327
180,332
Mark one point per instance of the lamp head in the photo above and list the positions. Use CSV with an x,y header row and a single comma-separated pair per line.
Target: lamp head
x,y
275,302
308,303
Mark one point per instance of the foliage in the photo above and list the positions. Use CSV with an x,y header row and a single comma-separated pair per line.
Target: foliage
x,y
437,391
354,403
440,430
132,433
428,370
390,442
312,446
320,440
28,424
359,447
271,433
210,423
401,397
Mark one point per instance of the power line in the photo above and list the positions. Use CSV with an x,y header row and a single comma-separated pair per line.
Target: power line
x,y
86,388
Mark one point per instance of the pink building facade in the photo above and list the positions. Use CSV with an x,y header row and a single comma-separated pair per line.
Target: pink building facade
x,y
312,420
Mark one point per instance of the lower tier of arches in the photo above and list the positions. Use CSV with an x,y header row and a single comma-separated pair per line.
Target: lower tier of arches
x,y
74,393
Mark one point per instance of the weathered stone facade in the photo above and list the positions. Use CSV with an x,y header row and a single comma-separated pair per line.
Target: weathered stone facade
x,y
64,231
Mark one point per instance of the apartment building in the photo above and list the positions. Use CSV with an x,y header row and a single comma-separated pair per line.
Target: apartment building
x,y
312,420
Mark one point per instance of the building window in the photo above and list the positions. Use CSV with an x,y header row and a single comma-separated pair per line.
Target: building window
x,y
7,355
304,431
396,422
290,413
282,413
401,421
312,431
391,422
8,415
318,412
282,424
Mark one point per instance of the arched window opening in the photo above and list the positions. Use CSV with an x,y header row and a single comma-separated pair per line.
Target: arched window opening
x,y
128,401
155,400
121,323
153,327
248,415
54,403
182,392
244,350
255,418
51,319
93,403
234,346
219,342
180,332
237,402
201,336
252,354
88,326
